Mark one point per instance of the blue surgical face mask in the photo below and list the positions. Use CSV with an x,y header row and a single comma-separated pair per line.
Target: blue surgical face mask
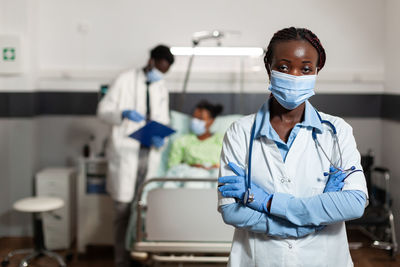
x,y
290,90
197,126
154,75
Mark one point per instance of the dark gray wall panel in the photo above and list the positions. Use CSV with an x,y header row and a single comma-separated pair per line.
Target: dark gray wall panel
x,y
344,105
391,107
81,103
84,103
21,104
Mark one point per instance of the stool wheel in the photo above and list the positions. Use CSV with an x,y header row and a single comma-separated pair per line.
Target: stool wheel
x,y
5,263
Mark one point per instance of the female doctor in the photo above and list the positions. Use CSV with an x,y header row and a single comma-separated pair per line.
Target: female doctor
x,y
290,175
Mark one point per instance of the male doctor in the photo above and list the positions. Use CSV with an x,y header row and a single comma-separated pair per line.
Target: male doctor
x,y
135,96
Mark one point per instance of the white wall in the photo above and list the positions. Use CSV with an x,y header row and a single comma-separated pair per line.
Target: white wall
x,y
367,132
391,155
27,146
76,45
121,32
17,17
17,164
391,129
64,138
391,47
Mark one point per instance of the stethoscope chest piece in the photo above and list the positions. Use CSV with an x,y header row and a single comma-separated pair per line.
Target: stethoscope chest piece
x,y
248,197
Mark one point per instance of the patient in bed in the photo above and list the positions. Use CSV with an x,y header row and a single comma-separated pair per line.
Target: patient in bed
x,y
194,155
199,151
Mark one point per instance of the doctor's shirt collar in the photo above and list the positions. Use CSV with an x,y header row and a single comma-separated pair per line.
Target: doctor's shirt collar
x,y
311,120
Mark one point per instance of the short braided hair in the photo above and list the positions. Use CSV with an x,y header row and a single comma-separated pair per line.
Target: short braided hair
x,y
292,33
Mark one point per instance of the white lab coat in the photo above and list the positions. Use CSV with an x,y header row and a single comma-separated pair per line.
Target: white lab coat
x,y
300,175
129,92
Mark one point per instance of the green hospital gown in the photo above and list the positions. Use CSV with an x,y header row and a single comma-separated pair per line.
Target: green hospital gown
x,y
190,150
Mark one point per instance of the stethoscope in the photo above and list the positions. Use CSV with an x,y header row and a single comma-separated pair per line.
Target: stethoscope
x,y
249,197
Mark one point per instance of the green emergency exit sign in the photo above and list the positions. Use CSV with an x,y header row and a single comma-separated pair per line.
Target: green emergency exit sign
x,y
8,54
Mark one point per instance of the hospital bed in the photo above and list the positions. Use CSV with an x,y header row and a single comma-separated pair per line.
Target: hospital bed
x,y
175,219
181,224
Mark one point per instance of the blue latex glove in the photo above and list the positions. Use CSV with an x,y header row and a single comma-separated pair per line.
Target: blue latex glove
x,y
335,182
261,198
157,141
234,186
132,115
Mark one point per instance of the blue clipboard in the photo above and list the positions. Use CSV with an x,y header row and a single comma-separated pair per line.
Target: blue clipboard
x,y
152,128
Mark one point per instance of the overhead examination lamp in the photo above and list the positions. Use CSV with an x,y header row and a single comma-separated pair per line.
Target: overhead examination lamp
x,y
217,35
197,37
204,35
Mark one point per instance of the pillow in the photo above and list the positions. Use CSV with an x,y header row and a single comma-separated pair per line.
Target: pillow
x,y
222,123
180,122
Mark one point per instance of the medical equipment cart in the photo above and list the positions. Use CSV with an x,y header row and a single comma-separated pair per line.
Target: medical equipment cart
x,y
95,207
59,226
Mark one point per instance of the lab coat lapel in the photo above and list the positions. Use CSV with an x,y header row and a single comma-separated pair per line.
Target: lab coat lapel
x,y
299,144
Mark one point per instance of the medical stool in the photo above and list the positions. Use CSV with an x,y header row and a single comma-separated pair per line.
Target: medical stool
x,y
377,223
36,206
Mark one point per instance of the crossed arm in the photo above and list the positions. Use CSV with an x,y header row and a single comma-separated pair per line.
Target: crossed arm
x,y
296,217
290,216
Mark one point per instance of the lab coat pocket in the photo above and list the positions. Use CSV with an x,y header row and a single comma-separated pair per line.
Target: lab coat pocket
x,y
319,189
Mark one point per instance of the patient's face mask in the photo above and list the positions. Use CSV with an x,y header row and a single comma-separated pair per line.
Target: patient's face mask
x,y
154,75
290,90
197,126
